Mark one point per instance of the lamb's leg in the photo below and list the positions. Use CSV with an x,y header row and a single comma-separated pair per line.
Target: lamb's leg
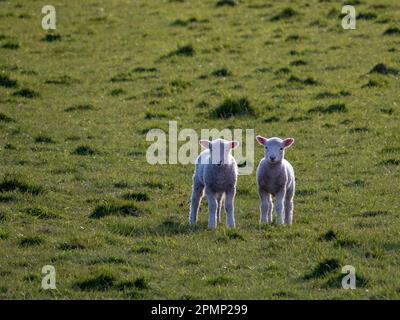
x,y
280,206
270,207
265,207
219,205
289,207
230,209
197,194
212,210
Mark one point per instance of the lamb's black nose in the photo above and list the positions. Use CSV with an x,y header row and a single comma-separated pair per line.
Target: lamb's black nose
x,y
272,158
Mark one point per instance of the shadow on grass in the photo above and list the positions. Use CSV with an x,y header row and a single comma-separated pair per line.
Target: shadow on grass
x,y
3,217
62,80
184,51
5,118
323,269
30,241
117,208
12,45
285,14
6,82
11,183
40,212
328,236
105,281
219,281
80,107
390,162
107,260
26,93
69,246
233,107
44,139
381,68
226,3
298,81
392,31
84,150
333,108
229,235
377,213
4,198
169,227
50,37
136,196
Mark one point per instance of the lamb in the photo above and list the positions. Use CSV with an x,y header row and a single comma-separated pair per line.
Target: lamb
x,y
275,176
215,174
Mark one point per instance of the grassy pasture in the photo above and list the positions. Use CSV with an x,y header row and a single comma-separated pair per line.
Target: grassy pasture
x,y
77,193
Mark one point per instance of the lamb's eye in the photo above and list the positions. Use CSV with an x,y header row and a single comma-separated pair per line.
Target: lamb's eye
x,y
281,149
266,148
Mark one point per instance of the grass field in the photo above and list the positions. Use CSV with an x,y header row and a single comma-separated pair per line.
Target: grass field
x,y
76,191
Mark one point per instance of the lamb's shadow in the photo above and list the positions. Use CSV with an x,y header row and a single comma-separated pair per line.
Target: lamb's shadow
x,y
171,227
168,227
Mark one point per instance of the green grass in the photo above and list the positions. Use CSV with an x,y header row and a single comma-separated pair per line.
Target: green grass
x,y
233,107
77,193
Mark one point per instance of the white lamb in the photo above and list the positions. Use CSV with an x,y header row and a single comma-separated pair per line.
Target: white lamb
x,y
215,173
275,176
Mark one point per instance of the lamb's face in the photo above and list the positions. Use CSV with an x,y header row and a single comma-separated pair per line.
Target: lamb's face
x,y
220,150
274,148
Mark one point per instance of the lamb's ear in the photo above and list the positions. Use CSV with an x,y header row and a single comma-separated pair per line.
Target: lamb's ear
x,y
205,143
288,142
261,140
234,144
